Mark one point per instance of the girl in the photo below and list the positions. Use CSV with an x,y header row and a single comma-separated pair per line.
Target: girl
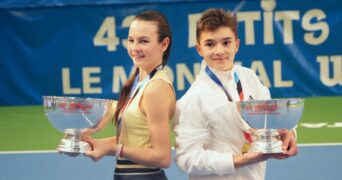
x,y
145,107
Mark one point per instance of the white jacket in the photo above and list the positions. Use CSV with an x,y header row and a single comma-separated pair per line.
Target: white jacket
x,y
208,131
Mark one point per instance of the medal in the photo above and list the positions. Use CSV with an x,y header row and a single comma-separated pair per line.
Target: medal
x,y
245,147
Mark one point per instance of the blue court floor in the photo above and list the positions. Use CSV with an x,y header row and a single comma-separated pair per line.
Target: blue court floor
x,y
312,162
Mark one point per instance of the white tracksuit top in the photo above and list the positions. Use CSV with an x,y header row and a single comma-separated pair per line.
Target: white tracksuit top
x,y
208,131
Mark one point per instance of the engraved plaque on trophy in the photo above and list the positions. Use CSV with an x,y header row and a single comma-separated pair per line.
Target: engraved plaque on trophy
x,y
263,118
71,115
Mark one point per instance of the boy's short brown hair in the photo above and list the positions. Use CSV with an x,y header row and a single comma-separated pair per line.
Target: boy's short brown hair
x,y
214,18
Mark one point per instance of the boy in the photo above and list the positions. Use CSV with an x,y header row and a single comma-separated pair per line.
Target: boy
x,y
209,136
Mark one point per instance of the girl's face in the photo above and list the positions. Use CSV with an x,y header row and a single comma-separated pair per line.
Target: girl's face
x,y
218,48
143,46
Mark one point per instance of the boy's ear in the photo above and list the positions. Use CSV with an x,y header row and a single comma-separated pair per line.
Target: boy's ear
x,y
198,48
237,45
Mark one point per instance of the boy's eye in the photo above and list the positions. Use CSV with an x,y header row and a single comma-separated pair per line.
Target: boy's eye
x,y
209,44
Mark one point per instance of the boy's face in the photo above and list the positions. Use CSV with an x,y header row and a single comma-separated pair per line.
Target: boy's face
x,y
218,48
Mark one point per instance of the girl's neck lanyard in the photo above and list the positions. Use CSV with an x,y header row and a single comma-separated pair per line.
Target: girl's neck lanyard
x,y
134,91
213,77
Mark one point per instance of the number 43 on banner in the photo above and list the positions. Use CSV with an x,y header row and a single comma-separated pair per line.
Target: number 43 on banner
x,y
106,35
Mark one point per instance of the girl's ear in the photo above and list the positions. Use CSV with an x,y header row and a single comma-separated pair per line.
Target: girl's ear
x,y
165,44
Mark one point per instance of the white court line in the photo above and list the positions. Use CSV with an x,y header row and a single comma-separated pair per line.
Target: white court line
x,y
28,152
54,151
320,144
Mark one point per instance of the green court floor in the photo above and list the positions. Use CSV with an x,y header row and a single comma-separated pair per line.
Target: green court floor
x,y
27,128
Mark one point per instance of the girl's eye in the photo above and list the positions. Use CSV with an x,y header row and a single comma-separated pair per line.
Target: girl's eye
x,y
226,42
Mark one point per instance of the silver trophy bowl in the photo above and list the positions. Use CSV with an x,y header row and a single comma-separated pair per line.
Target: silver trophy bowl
x,y
263,118
71,115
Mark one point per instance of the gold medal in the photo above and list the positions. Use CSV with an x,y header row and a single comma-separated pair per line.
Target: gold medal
x,y
245,148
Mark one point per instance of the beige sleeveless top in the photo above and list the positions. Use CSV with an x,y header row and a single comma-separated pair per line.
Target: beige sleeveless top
x,y
134,125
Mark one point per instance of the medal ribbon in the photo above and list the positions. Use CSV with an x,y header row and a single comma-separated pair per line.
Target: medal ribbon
x,y
134,91
242,96
239,89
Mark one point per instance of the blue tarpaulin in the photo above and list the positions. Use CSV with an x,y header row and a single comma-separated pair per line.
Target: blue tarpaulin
x,y
77,47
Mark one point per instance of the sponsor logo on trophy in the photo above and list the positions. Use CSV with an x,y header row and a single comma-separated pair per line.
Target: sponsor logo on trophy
x,y
72,115
263,118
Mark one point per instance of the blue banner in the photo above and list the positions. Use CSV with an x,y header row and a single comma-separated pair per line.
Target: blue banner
x,y
77,48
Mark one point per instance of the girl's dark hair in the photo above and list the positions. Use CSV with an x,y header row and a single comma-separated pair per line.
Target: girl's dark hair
x,y
164,31
214,18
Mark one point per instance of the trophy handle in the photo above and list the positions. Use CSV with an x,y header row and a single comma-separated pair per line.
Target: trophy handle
x,y
109,115
243,124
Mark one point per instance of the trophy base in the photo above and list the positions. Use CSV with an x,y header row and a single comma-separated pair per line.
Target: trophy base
x,y
266,141
267,147
67,146
72,143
